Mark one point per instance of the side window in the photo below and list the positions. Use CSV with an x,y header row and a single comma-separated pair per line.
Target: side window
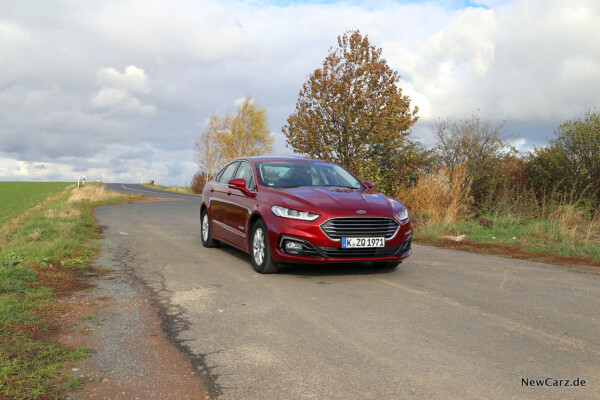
x,y
227,174
245,172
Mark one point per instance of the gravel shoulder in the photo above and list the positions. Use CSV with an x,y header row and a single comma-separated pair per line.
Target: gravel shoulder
x,y
118,319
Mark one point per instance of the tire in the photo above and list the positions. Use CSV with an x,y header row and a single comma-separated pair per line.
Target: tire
x,y
205,232
260,250
387,264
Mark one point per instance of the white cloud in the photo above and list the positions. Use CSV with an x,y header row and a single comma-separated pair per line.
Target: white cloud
x,y
116,93
84,88
133,79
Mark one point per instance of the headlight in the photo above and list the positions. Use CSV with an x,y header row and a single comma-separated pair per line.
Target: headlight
x,y
402,215
293,214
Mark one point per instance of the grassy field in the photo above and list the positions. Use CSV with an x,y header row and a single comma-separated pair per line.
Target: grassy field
x,y
18,197
41,259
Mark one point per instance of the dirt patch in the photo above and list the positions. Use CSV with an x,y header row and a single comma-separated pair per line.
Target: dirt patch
x,y
577,263
62,280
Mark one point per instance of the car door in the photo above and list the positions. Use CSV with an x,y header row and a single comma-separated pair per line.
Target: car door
x,y
241,204
220,204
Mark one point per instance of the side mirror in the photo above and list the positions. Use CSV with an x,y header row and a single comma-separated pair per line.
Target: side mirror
x,y
240,185
368,185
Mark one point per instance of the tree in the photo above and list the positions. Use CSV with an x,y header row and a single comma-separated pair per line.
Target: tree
x,y
352,111
209,152
571,161
480,145
227,138
249,133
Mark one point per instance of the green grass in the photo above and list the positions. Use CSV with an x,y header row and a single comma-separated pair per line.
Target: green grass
x,y
40,258
27,365
18,197
531,235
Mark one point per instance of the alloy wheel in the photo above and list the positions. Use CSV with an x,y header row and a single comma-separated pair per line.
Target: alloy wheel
x,y
205,227
258,246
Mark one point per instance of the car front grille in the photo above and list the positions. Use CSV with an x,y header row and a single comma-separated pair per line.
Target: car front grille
x,y
337,228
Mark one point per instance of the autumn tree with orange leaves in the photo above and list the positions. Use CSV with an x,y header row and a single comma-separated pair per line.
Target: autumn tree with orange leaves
x,y
352,111
229,137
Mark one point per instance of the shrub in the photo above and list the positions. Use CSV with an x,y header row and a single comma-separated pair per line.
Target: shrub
x,y
198,182
443,195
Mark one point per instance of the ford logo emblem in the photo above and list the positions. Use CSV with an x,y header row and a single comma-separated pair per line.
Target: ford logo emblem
x,y
361,212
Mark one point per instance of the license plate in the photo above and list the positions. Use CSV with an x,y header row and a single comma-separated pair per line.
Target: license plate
x,y
348,243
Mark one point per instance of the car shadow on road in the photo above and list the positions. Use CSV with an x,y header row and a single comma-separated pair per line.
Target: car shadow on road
x,y
336,269
308,270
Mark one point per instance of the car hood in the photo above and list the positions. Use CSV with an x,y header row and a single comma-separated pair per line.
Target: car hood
x,y
335,200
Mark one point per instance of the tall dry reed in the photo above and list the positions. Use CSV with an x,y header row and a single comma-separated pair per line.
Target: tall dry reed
x,y
442,195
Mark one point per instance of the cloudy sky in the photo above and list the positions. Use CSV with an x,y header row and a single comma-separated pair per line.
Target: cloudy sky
x,y
121,89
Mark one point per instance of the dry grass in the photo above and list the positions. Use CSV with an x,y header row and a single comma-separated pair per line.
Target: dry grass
x,y
67,213
93,193
592,230
439,196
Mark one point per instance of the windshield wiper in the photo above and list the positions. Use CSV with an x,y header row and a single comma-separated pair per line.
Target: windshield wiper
x,y
340,186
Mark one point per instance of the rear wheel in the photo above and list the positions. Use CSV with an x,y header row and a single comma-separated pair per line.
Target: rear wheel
x,y
260,251
387,264
205,232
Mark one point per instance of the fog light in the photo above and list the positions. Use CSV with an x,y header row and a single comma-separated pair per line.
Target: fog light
x,y
292,246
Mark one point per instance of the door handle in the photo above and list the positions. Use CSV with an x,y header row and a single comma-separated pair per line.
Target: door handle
x,y
229,193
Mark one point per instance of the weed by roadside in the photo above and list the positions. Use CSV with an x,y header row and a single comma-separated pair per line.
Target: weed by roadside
x,y
442,211
42,258
174,189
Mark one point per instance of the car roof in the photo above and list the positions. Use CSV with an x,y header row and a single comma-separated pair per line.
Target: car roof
x,y
281,158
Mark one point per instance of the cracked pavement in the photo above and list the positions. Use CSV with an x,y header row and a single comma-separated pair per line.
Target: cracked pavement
x,y
444,324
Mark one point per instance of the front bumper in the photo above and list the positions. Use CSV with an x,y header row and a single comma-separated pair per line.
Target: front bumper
x,y
316,248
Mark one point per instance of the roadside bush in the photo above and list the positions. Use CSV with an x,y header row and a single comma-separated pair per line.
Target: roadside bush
x,y
571,161
443,195
198,182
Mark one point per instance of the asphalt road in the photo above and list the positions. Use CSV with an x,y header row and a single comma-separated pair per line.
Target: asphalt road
x,y
444,324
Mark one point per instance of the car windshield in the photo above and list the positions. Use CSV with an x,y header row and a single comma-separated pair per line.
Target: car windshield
x,y
287,174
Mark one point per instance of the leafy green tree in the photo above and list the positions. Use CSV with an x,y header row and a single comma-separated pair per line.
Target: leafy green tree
x,y
571,161
352,111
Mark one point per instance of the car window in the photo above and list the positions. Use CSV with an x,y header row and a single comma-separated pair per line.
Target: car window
x,y
227,174
245,172
282,174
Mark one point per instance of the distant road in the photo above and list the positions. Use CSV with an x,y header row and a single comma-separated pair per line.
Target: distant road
x,y
134,188
444,325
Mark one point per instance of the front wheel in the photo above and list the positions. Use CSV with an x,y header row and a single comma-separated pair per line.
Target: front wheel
x,y
205,232
260,251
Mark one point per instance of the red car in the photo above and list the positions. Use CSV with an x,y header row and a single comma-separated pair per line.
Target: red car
x,y
295,210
